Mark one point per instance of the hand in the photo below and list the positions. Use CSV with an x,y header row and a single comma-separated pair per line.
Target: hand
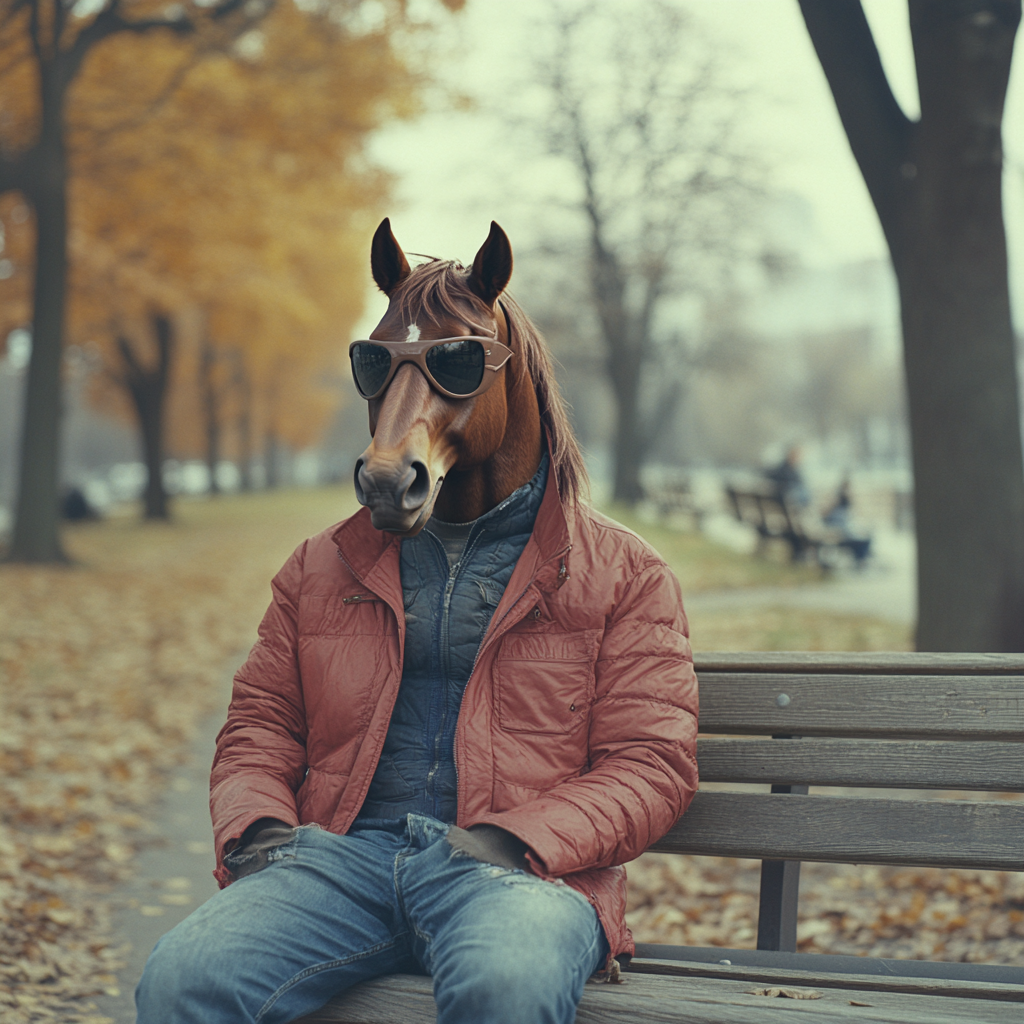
x,y
250,855
263,834
490,845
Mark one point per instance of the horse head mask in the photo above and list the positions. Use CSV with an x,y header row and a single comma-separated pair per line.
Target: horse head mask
x,y
453,406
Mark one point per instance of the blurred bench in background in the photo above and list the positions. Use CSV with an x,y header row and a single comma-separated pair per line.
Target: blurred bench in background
x,y
673,498
775,518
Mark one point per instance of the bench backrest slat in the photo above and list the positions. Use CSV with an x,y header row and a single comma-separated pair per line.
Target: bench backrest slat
x,y
948,833
879,706
876,662
898,764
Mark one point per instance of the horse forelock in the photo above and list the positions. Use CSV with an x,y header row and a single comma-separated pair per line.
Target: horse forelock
x,y
439,290
436,290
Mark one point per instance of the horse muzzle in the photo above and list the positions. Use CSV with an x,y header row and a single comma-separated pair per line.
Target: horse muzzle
x,y
400,495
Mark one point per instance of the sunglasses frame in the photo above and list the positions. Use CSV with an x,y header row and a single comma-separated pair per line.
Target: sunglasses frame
x,y
496,355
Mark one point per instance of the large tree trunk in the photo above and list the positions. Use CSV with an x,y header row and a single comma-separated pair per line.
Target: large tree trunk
x,y
628,449
156,502
936,185
608,288
271,456
147,387
243,389
211,395
36,535
40,171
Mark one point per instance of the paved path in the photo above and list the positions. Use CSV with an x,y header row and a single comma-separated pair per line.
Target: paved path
x,y
885,589
174,875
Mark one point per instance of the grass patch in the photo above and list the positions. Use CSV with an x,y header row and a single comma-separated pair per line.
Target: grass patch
x,y
262,528
702,565
796,629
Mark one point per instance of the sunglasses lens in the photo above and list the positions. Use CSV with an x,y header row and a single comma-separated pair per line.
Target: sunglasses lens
x,y
457,366
370,367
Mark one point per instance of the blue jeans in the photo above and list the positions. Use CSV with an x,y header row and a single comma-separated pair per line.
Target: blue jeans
x,y
330,911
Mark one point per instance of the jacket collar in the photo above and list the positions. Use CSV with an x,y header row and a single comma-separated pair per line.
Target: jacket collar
x,y
373,555
551,541
361,546
518,512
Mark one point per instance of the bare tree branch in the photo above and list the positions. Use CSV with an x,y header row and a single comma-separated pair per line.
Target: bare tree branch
x,y
109,22
637,113
60,13
134,370
35,30
880,134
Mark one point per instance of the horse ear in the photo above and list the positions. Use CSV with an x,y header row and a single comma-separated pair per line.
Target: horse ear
x,y
387,261
492,267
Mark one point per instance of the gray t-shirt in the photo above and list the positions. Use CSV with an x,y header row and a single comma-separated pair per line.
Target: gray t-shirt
x,y
454,536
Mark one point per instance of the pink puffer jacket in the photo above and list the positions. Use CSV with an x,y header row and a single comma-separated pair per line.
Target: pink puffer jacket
x,y
578,727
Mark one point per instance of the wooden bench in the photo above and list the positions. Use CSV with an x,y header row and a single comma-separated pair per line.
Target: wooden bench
x,y
673,498
775,518
791,721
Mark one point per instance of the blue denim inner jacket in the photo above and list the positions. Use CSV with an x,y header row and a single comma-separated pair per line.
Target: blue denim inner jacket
x,y
447,612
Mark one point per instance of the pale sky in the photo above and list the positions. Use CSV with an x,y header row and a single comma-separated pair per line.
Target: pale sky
x,y
457,171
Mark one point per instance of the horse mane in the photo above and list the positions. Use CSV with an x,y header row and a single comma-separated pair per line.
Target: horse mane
x,y
440,287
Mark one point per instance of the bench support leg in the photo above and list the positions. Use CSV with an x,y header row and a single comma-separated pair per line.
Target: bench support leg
x,y
780,890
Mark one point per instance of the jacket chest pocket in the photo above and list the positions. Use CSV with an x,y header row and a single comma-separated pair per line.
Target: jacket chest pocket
x,y
545,681
356,614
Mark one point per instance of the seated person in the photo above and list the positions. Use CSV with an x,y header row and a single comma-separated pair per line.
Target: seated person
x,y
788,480
838,517
447,740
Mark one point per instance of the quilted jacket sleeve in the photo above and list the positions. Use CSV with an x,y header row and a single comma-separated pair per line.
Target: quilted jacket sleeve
x,y
261,751
643,738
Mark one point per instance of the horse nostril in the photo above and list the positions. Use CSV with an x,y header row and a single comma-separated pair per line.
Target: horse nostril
x,y
419,490
360,490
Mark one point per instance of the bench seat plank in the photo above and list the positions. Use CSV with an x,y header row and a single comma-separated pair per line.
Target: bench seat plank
x,y
820,979
899,764
946,833
651,999
1000,975
881,707
877,662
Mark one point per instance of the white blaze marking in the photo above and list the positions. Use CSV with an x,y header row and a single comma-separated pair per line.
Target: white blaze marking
x,y
414,333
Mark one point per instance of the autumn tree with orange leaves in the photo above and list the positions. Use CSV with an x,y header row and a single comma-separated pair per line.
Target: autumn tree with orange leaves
x,y
202,166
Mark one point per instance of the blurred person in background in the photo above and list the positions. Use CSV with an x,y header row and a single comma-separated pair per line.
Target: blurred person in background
x,y
788,480
838,517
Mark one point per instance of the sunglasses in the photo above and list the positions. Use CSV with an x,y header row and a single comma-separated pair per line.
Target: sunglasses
x,y
457,367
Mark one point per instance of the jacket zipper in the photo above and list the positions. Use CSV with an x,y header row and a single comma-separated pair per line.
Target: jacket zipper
x,y
453,573
449,588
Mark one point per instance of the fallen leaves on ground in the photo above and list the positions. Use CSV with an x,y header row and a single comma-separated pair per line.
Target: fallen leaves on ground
x,y
905,913
106,667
